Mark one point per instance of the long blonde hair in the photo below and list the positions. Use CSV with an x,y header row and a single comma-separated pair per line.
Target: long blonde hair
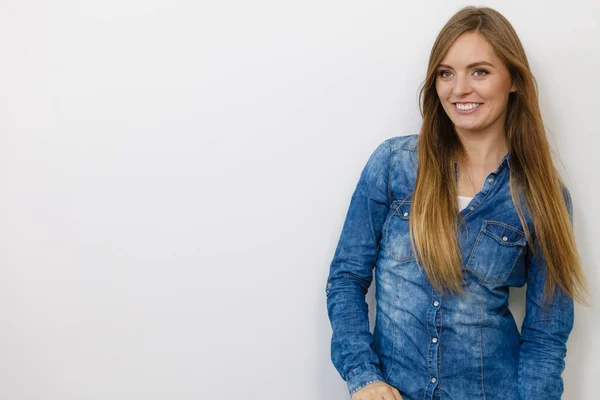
x,y
532,171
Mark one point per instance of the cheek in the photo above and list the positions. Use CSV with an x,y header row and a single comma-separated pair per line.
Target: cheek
x,y
442,91
489,93
492,91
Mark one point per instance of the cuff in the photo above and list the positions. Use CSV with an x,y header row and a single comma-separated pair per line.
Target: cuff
x,y
362,376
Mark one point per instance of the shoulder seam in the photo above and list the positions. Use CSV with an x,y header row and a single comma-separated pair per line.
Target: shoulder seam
x,y
402,146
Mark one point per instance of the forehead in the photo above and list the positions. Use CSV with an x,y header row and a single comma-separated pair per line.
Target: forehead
x,y
470,47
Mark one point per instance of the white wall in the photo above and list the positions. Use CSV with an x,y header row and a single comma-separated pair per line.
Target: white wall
x,y
175,176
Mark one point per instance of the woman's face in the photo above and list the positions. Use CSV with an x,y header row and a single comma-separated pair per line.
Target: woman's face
x,y
471,76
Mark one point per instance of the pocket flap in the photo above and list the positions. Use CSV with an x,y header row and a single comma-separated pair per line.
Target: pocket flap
x,y
505,234
401,208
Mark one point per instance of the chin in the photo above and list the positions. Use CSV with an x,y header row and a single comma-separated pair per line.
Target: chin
x,y
464,127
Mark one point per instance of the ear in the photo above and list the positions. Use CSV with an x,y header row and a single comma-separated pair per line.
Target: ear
x,y
513,88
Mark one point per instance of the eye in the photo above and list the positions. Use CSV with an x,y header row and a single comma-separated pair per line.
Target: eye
x,y
444,73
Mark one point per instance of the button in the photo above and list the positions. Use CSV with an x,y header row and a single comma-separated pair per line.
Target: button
x,y
491,180
434,340
471,208
433,380
329,285
436,303
504,238
405,214
327,292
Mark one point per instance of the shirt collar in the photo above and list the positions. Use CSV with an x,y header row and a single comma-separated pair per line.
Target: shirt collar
x,y
505,159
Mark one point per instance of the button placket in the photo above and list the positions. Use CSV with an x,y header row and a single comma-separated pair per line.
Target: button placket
x,y
435,304
434,319
487,186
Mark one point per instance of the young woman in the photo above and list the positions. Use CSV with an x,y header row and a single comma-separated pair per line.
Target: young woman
x,y
451,218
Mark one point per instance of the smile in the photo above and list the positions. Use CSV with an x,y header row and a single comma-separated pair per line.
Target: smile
x,y
466,108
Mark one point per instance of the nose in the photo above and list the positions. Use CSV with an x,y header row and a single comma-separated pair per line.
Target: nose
x,y
461,86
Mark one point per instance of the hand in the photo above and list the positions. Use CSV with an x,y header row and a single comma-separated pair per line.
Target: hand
x,y
377,391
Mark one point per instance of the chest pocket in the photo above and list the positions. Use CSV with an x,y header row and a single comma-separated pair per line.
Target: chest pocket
x,y
396,239
497,250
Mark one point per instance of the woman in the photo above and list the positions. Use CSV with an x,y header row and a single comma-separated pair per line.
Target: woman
x,y
484,211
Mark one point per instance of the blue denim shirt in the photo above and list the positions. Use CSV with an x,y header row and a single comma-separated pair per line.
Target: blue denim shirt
x,y
442,347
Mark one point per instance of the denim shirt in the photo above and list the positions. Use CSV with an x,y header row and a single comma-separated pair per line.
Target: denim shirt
x,y
431,346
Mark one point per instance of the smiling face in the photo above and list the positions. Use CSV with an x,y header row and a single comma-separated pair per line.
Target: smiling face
x,y
473,85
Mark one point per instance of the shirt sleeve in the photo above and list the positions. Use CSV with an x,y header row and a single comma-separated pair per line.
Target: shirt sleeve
x,y
544,335
351,272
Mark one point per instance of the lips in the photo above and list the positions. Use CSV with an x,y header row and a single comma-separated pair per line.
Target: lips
x,y
467,111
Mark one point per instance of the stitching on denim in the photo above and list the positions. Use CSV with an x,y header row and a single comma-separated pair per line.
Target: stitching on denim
x,y
394,140
387,248
428,347
439,352
427,322
481,345
398,258
394,332
474,250
409,148
512,228
515,262
481,202
363,385
472,253
407,138
502,242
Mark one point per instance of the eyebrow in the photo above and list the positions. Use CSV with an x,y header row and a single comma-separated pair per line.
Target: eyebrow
x,y
471,65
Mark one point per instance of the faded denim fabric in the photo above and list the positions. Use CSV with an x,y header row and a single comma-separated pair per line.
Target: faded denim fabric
x,y
426,345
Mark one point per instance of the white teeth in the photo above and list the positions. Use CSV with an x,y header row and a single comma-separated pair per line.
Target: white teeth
x,y
465,107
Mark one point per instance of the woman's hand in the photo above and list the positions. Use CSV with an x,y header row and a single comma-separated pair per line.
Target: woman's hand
x,y
377,391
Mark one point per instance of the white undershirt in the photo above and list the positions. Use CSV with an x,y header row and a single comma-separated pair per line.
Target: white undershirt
x,y
463,202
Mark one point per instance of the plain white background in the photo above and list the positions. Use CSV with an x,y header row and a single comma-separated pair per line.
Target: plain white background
x,y
175,176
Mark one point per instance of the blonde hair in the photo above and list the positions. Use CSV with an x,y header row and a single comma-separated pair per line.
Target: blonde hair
x,y
532,171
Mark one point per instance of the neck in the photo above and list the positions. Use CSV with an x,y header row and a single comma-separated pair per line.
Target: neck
x,y
483,151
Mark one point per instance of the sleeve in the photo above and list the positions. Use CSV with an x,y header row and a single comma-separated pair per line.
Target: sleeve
x,y
544,336
351,272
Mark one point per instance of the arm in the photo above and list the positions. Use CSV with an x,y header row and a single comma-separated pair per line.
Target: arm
x,y
544,337
351,272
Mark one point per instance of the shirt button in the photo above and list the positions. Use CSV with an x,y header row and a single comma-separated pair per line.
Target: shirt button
x,y
436,303
433,380
471,208
504,238
491,180
329,285
434,340
405,214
